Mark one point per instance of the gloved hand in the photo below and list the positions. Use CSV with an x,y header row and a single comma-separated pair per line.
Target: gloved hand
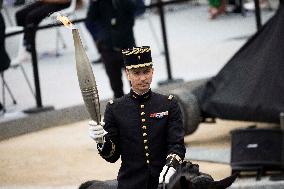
x,y
96,131
166,173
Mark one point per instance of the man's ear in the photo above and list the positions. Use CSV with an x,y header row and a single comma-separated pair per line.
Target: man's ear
x,y
127,73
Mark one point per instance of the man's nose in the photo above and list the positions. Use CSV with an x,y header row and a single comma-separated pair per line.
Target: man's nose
x,y
143,77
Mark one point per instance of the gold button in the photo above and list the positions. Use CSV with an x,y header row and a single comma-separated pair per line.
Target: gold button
x,y
146,147
142,113
145,141
147,154
144,127
143,120
148,161
144,134
142,106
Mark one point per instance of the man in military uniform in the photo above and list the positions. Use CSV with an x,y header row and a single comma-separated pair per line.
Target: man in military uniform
x,y
144,128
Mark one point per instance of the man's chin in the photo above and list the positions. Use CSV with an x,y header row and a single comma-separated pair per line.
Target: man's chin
x,y
144,88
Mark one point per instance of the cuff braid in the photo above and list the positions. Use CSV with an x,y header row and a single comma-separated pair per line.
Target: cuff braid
x,y
106,149
173,160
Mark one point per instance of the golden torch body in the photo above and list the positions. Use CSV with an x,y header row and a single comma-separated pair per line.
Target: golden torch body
x,y
86,78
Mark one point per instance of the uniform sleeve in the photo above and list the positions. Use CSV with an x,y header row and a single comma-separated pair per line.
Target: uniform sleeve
x,y
110,150
175,132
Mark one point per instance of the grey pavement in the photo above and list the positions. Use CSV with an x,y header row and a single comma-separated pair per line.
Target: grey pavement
x,y
264,183
209,155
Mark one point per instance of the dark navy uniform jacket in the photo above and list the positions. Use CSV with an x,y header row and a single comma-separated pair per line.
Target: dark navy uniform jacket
x,y
143,130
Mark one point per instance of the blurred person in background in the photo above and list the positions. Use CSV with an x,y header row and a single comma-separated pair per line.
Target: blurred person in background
x,y
236,6
93,27
263,4
216,7
30,16
114,21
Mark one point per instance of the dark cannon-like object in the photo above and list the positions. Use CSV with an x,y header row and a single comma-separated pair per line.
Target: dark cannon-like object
x,y
189,104
248,88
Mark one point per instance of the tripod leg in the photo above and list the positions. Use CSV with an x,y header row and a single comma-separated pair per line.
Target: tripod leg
x,y
9,90
27,79
57,42
60,37
3,93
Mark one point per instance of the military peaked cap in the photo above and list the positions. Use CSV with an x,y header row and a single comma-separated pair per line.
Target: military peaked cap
x,y
137,57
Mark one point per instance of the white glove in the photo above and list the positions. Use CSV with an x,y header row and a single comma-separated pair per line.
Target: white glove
x,y
166,174
96,131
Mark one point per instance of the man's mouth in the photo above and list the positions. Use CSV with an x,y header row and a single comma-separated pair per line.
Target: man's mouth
x,y
143,84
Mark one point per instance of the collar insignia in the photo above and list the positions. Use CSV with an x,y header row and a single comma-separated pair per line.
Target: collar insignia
x,y
171,97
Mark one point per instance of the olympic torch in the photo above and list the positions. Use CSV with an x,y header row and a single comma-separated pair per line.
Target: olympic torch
x,y
86,78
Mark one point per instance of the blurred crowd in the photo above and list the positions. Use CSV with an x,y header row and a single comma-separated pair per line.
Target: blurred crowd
x,y
219,7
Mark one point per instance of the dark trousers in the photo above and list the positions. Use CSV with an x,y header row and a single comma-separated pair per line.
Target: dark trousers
x,y
31,15
4,58
113,61
93,28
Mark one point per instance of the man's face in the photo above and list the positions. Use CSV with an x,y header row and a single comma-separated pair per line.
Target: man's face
x,y
140,78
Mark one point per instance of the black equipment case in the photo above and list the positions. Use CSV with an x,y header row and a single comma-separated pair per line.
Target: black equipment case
x,y
257,149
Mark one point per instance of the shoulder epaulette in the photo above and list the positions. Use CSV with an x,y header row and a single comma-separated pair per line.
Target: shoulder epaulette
x,y
171,97
110,101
